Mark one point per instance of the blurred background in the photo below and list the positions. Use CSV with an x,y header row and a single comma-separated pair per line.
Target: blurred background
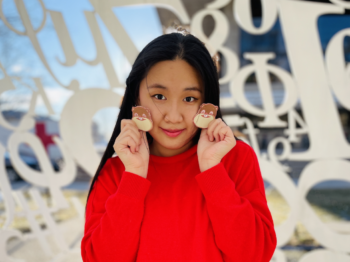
x,y
285,90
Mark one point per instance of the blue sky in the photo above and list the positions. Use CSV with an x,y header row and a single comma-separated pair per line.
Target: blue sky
x,y
141,23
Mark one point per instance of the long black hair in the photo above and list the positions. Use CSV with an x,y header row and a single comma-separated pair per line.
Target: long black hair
x,y
165,47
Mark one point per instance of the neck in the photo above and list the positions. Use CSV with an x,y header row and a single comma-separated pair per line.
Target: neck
x,y
158,150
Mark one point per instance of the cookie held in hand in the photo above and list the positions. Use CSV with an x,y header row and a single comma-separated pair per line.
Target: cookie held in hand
x,y
206,113
142,117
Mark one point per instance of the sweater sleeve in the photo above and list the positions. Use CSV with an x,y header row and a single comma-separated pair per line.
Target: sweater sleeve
x,y
242,223
113,219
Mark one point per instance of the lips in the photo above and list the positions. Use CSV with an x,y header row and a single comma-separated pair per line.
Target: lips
x,y
172,132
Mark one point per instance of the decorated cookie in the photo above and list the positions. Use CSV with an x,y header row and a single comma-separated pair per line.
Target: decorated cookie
x,y
142,117
206,113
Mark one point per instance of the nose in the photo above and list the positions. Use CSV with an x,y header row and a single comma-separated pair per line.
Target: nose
x,y
174,114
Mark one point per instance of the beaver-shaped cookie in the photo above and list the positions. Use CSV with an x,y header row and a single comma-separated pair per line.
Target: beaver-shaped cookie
x,y
206,113
142,117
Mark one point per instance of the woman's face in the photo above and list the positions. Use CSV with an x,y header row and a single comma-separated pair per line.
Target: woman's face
x,y
175,92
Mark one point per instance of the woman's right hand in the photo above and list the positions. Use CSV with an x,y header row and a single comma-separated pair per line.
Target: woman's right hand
x,y
131,148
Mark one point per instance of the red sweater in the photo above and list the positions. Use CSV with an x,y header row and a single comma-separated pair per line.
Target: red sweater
x,y
178,213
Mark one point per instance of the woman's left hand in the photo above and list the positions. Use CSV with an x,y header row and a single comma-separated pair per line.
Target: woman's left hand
x,y
214,143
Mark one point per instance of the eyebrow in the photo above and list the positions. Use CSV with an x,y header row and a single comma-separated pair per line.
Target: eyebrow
x,y
185,89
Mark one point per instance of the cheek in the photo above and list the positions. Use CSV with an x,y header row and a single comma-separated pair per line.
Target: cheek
x,y
189,120
156,119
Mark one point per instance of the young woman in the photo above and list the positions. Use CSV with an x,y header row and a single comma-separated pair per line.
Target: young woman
x,y
177,192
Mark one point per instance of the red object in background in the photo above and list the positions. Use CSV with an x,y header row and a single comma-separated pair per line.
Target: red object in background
x,y
40,131
178,213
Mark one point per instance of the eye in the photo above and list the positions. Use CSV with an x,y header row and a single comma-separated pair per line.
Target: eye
x,y
190,98
135,114
211,112
203,111
143,115
159,95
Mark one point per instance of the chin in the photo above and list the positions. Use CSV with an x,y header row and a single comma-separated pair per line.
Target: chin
x,y
171,143
176,143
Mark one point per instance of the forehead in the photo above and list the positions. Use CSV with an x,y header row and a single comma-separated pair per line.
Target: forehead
x,y
175,75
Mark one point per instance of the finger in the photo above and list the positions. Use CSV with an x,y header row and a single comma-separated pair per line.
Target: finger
x,y
129,142
129,125
131,135
204,132
224,132
210,129
123,124
127,122
129,131
217,130
212,126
